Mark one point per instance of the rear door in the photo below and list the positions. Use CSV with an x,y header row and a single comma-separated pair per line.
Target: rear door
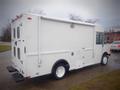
x,y
18,48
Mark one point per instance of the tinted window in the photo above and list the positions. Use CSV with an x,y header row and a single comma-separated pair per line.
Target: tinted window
x,y
18,32
14,35
99,38
14,51
18,53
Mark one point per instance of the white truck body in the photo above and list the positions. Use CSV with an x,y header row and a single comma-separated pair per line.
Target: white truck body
x,y
38,42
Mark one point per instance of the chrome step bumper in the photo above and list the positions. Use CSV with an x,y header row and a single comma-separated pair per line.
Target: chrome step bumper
x,y
15,74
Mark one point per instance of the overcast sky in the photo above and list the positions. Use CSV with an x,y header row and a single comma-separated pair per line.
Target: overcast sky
x,y
107,11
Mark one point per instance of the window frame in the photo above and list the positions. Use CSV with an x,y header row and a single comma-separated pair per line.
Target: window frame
x,y
18,53
99,38
14,33
14,51
18,32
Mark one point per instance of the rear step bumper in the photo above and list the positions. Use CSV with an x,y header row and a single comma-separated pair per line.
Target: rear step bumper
x,y
16,75
11,69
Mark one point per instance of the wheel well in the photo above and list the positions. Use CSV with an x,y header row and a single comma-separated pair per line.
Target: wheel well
x,y
61,61
105,53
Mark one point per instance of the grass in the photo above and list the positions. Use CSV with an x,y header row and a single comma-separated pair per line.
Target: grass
x,y
109,81
4,48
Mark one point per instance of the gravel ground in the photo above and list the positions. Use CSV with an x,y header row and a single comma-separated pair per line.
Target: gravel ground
x,y
47,83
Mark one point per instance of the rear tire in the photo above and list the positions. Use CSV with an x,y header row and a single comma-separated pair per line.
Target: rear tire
x,y
59,71
104,60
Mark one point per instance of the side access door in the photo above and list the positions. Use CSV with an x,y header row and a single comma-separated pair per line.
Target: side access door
x,y
87,50
85,53
99,46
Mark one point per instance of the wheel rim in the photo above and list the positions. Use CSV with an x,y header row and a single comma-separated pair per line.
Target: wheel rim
x,y
60,71
105,59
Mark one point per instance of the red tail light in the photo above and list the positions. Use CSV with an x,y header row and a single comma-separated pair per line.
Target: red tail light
x,y
119,45
17,16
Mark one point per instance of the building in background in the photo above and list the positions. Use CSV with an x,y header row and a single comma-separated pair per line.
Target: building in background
x,y
113,34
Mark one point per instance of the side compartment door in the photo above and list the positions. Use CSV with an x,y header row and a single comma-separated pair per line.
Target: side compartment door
x,y
87,56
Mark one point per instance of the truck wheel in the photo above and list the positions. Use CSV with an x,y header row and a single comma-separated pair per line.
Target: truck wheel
x,y
104,60
59,71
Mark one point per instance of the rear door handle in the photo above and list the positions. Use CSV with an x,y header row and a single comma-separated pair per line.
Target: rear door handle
x,y
16,43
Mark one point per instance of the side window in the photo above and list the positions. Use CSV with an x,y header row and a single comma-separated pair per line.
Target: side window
x,y
14,51
99,38
18,32
18,53
14,35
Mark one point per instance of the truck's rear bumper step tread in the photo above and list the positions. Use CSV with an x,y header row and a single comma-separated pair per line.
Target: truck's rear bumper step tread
x,y
11,69
18,77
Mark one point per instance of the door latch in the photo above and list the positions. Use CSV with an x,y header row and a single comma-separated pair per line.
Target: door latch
x,y
16,43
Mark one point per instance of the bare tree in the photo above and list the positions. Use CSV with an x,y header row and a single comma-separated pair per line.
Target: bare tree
x,y
6,35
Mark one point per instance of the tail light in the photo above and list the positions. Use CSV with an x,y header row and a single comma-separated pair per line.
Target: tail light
x,y
17,17
119,45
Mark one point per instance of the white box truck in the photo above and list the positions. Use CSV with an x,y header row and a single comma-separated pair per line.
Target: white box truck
x,y
44,45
